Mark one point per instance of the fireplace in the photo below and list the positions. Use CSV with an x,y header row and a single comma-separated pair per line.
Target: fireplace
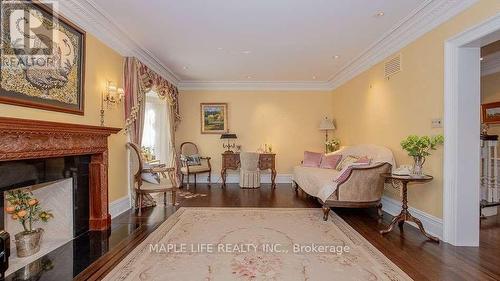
x,y
35,152
29,141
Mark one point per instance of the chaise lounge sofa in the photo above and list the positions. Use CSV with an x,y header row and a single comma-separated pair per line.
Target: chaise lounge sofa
x,y
360,186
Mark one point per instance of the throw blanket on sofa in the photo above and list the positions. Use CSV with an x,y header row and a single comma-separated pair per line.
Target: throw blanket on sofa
x,y
320,183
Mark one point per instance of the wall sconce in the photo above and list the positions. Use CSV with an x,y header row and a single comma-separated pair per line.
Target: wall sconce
x,y
112,96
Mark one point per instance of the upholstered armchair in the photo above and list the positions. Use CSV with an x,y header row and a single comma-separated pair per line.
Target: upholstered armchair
x,y
193,164
249,170
147,179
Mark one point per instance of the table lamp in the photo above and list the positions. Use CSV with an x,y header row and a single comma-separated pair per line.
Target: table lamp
x,y
326,125
229,145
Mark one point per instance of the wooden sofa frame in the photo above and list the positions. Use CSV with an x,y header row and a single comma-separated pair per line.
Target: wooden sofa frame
x,y
363,188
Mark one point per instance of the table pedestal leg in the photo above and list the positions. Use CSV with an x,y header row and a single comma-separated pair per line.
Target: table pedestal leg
x,y
404,215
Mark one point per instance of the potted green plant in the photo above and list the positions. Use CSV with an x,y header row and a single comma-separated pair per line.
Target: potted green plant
x,y
420,147
332,145
25,208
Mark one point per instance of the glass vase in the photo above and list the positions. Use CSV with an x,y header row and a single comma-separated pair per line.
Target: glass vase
x,y
418,166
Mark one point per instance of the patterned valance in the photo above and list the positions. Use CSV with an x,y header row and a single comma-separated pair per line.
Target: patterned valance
x,y
148,80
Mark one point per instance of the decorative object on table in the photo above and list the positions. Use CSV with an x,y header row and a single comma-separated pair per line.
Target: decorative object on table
x,y
419,148
238,147
484,129
111,96
489,176
213,118
231,161
56,81
332,145
188,150
230,144
405,215
148,153
166,183
491,113
25,208
326,125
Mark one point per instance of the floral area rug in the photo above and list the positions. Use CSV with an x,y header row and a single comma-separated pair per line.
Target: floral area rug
x,y
255,244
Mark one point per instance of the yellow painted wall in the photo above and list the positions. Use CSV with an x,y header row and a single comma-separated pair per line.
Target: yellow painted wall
x,y
102,64
490,92
287,120
405,104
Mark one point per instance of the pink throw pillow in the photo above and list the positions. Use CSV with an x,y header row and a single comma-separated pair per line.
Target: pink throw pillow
x,y
312,159
330,161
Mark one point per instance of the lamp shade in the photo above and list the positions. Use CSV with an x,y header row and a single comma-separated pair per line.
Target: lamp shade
x,y
228,136
326,124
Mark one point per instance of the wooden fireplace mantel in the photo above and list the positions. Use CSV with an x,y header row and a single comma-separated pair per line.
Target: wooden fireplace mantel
x,y
31,139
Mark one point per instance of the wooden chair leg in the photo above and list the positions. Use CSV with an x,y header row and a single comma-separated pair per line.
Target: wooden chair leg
x,y
187,181
140,204
380,212
195,180
165,198
326,211
173,197
210,179
182,180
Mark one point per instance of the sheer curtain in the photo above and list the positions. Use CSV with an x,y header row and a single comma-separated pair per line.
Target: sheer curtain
x,y
156,134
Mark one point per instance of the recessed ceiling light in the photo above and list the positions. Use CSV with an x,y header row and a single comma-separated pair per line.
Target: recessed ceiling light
x,y
184,67
336,57
379,14
246,52
481,58
249,77
220,48
314,77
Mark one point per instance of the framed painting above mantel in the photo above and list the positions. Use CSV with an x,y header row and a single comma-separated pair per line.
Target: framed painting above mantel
x,y
491,113
213,118
42,58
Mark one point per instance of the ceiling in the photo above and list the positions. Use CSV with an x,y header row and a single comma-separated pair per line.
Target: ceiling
x,y
259,44
258,40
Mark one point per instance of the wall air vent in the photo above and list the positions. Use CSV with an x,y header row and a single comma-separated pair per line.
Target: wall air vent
x,y
392,66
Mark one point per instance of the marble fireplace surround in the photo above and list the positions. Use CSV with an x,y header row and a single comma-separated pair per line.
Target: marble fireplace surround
x,y
31,139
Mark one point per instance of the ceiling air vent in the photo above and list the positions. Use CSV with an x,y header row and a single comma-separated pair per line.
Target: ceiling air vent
x,y
392,66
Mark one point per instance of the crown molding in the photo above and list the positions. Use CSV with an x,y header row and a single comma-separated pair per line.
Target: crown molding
x,y
423,19
491,64
253,86
91,18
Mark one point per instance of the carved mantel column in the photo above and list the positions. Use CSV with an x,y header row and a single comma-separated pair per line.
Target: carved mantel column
x,y
29,139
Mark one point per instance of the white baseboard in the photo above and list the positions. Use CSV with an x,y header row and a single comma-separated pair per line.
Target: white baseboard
x,y
235,178
432,225
119,206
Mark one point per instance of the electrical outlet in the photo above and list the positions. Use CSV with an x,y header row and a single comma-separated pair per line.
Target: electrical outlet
x,y
437,123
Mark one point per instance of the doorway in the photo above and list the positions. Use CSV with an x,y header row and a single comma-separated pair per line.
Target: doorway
x,y
462,129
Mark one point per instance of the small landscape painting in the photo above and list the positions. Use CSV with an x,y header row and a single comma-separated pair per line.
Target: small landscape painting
x,y
491,113
213,118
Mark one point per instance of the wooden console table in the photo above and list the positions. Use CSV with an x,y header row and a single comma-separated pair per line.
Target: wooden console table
x,y
405,214
231,161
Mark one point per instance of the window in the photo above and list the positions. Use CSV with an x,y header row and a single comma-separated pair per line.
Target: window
x,y
156,133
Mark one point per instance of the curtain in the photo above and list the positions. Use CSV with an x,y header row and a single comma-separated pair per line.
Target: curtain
x,y
140,79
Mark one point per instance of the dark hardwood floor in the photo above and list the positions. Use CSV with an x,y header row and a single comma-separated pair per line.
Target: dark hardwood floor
x,y
420,259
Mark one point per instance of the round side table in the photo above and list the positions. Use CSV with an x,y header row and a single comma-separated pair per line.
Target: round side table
x,y
405,214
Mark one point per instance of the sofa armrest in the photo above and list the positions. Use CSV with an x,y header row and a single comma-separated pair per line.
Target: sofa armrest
x,y
364,184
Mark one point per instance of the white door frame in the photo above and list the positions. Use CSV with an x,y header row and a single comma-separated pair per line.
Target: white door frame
x,y
462,100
